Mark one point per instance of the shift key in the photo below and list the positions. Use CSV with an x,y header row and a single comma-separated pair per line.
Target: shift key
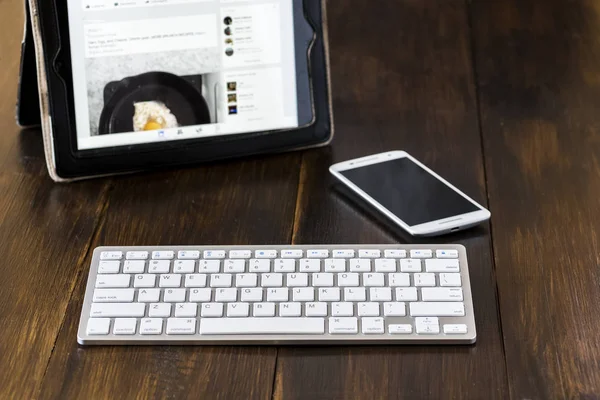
x,y
118,310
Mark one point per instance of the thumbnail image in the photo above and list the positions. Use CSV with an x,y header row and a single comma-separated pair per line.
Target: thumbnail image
x,y
229,51
229,41
233,110
228,31
231,86
227,20
232,98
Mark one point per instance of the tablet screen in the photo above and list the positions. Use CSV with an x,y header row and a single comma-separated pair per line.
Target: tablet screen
x,y
147,71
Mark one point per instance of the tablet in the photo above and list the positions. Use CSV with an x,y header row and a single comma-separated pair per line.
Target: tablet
x,y
138,84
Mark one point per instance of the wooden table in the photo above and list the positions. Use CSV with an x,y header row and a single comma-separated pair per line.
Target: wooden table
x,y
500,96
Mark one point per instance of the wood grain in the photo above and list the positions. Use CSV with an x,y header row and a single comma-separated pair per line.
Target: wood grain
x,y
403,80
245,202
44,232
539,78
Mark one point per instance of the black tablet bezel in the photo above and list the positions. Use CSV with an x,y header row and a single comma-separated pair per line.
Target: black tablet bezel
x,y
72,163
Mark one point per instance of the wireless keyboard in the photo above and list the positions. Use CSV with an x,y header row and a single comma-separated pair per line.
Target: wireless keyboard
x,y
362,294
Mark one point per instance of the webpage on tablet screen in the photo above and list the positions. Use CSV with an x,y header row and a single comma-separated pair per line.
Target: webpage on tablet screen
x,y
154,70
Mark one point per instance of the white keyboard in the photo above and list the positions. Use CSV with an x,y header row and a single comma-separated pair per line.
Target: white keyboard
x,y
362,294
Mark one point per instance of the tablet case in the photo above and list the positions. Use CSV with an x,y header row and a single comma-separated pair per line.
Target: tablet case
x,y
33,100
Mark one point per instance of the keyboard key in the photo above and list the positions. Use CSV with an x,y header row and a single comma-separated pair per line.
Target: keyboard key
x,y
238,309
290,310
195,280
98,326
212,310
427,326
344,309
385,265
399,279
221,280
421,254
347,253
322,279
163,255
109,267
213,254
360,265
372,326
369,253
284,265
343,325
394,309
151,326
278,294
303,294
355,294
297,280
335,265
292,253
329,294
433,309
380,294
441,294
188,255
117,310
406,294
240,254
400,329
394,254
124,326
262,326
368,309
159,266
184,266
446,253
321,253
246,280
209,266
113,295
170,281
227,295
450,280
257,265
263,310
315,309
410,265
149,295
424,279
174,295
113,281
233,266
434,265
271,280
137,255
252,295
134,267
455,329
111,255
200,295
265,254
144,281
181,326
349,279
375,279
186,309
310,265
160,310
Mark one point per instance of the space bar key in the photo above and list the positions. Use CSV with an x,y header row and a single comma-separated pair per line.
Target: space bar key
x,y
262,326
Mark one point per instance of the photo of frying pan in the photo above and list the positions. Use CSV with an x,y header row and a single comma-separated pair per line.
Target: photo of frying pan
x,y
179,95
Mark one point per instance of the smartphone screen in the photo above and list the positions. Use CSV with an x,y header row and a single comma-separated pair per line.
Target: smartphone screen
x,y
409,192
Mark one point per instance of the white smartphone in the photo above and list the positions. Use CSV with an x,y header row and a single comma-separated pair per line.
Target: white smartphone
x,y
410,194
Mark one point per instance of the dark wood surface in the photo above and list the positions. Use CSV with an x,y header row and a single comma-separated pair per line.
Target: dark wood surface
x,y
500,96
